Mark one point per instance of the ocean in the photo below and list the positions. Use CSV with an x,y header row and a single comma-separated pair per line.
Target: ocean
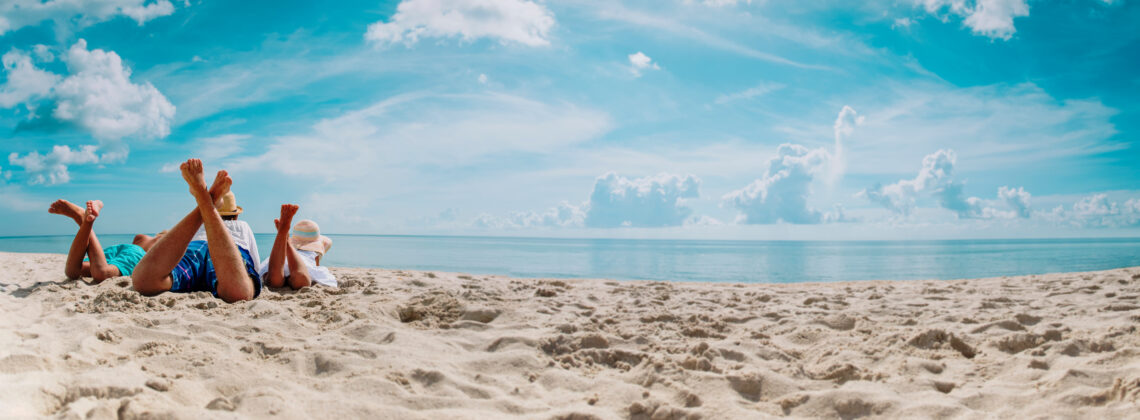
x,y
699,260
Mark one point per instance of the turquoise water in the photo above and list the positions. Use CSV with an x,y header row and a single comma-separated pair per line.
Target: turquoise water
x,y
697,260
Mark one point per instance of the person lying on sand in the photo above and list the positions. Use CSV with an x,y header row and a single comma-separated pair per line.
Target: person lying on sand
x,y
178,263
296,259
113,261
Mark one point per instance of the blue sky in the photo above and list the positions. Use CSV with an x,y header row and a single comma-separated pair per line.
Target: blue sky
x,y
919,119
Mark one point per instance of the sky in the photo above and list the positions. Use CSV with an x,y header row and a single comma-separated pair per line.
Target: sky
x,y
716,119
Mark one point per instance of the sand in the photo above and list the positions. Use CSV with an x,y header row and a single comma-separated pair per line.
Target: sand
x,y
403,344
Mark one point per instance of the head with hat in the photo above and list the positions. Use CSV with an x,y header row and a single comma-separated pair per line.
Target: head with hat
x,y
307,237
227,206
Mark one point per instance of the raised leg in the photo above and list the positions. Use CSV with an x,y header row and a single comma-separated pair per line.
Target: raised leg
x,y
67,208
234,283
98,266
283,254
74,268
152,274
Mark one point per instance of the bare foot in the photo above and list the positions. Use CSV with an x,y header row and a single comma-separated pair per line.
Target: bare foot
x,y
93,208
222,183
287,212
192,173
67,208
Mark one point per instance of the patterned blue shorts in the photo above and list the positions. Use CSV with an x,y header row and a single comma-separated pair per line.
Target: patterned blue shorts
x,y
195,272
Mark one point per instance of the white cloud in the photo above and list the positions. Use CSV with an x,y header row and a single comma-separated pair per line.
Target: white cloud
x,y
1017,199
640,62
519,21
844,125
1098,211
99,96
51,168
781,194
482,79
991,18
25,83
899,197
16,14
652,201
563,216
936,178
752,92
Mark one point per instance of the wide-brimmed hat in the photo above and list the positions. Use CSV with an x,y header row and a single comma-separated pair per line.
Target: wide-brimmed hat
x,y
227,205
307,237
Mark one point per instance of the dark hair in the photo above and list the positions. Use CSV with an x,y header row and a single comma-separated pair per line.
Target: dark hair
x,y
230,217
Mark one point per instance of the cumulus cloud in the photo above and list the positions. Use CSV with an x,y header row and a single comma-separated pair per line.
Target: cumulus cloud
x,y
16,14
100,97
562,216
97,95
1017,199
519,21
936,178
899,197
781,194
616,202
1099,212
844,125
991,18
25,83
51,168
640,62
652,201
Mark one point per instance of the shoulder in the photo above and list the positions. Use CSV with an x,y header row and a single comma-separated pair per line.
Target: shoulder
x,y
239,225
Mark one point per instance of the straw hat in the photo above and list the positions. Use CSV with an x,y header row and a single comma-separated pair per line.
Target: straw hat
x,y
227,205
307,237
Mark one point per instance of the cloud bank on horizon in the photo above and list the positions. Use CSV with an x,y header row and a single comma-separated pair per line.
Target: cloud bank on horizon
x,y
928,119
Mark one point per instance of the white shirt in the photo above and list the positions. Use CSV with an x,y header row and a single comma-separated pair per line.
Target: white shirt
x,y
243,237
319,275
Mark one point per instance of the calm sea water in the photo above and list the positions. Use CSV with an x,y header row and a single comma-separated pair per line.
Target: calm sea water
x,y
705,261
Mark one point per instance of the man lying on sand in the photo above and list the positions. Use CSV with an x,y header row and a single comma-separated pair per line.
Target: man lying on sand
x,y
297,258
113,261
178,263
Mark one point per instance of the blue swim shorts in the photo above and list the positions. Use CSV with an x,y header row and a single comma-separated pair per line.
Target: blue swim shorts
x,y
195,272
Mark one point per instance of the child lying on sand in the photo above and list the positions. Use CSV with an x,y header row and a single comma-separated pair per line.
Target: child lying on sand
x,y
102,263
296,259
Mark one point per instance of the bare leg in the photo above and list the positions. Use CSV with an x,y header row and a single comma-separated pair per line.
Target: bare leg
x,y
283,253
280,242
234,283
67,208
298,271
152,274
98,266
74,268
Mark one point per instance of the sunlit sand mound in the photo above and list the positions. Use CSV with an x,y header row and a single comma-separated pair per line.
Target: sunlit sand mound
x,y
399,344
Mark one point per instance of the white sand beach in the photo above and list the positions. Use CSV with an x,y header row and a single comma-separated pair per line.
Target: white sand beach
x,y
402,344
